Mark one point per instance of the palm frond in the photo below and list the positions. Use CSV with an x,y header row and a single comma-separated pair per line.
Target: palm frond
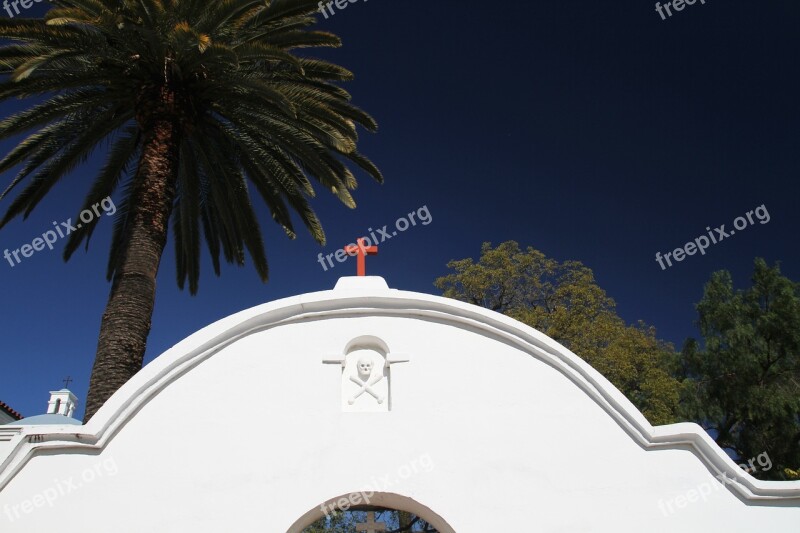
x,y
250,117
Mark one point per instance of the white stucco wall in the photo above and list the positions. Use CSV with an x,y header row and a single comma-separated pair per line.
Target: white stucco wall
x,y
492,427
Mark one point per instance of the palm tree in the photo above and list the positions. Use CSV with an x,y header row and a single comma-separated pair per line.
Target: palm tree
x,y
201,102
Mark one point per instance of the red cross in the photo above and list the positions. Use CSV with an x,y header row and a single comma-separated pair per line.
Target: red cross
x,y
362,251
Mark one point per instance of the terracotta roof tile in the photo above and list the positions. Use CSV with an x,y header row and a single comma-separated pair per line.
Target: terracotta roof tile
x,y
6,408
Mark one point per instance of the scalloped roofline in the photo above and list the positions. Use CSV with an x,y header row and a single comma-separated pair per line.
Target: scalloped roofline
x,y
370,296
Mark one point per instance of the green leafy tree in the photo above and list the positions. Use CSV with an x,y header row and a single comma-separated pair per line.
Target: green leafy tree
x,y
743,384
563,301
203,103
334,523
346,522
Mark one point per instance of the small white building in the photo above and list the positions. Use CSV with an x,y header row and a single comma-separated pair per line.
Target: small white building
x,y
369,397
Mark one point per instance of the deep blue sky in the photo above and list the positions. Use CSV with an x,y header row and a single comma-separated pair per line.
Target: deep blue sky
x,y
592,131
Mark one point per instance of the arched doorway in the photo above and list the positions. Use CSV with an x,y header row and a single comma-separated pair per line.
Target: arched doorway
x,y
370,513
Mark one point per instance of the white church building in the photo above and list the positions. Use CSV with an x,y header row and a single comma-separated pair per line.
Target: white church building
x,y
365,397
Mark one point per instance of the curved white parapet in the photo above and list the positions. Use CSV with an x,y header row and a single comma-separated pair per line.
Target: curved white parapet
x,y
364,352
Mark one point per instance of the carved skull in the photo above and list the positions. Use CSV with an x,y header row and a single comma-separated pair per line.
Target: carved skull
x,y
364,368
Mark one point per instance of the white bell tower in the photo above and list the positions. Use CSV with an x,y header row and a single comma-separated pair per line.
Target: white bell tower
x,y
62,402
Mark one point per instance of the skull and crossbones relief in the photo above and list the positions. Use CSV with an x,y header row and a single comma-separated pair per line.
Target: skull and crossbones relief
x,y
365,380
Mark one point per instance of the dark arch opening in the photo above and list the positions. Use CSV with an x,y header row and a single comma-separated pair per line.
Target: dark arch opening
x,y
377,501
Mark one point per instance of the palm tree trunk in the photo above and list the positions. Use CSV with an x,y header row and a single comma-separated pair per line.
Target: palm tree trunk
x,y
127,318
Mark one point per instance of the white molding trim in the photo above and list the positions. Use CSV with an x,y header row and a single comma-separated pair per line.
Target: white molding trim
x,y
349,300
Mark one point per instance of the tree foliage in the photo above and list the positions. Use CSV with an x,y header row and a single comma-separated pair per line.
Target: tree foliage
x,y
346,521
743,382
563,301
206,107
242,105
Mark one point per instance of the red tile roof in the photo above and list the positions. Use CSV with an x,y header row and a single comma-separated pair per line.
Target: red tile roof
x,y
10,411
